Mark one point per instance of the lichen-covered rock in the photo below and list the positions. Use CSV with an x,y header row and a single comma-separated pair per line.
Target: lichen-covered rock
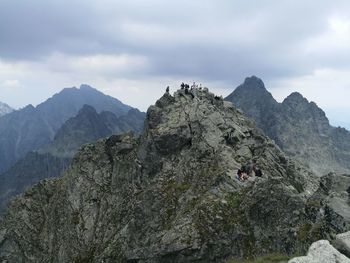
x,y
171,195
322,252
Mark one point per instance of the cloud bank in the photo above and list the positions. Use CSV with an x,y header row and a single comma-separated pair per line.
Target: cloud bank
x,y
133,49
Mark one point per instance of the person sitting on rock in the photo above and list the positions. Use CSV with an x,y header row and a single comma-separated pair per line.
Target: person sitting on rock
x,y
183,85
241,175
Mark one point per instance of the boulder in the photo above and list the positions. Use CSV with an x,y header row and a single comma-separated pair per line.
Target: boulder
x,y
321,252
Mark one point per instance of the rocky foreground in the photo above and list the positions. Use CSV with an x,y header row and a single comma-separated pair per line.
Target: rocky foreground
x,y
171,195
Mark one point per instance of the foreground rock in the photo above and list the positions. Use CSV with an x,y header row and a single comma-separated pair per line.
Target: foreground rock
x,y
342,243
171,195
322,252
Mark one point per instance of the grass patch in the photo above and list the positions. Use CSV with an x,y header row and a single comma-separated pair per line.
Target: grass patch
x,y
271,258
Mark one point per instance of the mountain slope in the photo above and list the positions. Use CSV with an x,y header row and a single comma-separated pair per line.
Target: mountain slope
x,y
30,128
299,127
171,195
51,160
4,109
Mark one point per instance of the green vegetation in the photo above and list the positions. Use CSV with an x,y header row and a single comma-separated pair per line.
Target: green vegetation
x,y
271,258
304,231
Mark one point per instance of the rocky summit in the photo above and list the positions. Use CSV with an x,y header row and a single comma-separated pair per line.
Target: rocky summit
x,y
171,195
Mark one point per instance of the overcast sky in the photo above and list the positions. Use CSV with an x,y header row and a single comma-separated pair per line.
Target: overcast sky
x,y
133,49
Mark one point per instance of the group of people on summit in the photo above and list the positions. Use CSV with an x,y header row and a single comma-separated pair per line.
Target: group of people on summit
x,y
248,170
187,87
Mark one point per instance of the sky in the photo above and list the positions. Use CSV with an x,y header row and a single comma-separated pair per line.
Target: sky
x,y
133,49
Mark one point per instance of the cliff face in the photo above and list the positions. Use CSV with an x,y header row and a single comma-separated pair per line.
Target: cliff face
x,y
298,126
171,195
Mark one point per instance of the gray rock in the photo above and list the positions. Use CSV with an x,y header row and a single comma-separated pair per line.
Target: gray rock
x,y
342,243
321,252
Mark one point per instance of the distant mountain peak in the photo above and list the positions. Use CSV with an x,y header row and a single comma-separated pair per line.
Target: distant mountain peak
x,y
5,109
250,91
297,125
85,87
254,82
295,98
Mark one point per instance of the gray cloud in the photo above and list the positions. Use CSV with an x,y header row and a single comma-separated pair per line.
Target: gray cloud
x,y
222,41
257,35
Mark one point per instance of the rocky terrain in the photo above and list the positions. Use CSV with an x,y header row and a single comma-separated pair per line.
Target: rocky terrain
x,y
51,160
4,109
30,128
323,251
171,195
299,127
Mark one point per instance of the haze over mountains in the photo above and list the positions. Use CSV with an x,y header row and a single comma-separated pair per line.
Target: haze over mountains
x,y
299,127
48,158
32,127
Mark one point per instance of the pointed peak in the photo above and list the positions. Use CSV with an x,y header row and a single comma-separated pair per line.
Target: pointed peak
x,y
295,98
86,87
254,82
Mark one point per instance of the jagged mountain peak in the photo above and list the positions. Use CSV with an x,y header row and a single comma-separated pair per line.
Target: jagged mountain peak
x,y
254,82
299,127
252,89
295,98
86,87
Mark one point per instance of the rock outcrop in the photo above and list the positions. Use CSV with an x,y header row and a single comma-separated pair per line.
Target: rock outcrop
x,y
171,195
299,127
342,243
321,252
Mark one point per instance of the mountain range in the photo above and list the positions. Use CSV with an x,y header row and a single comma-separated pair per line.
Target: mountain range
x,y
298,126
171,195
30,128
52,158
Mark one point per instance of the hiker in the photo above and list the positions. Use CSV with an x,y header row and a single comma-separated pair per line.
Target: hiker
x,y
167,89
241,175
183,85
186,90
193,85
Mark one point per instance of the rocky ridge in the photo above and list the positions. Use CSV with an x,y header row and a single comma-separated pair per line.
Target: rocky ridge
x,y
171,195
298,126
